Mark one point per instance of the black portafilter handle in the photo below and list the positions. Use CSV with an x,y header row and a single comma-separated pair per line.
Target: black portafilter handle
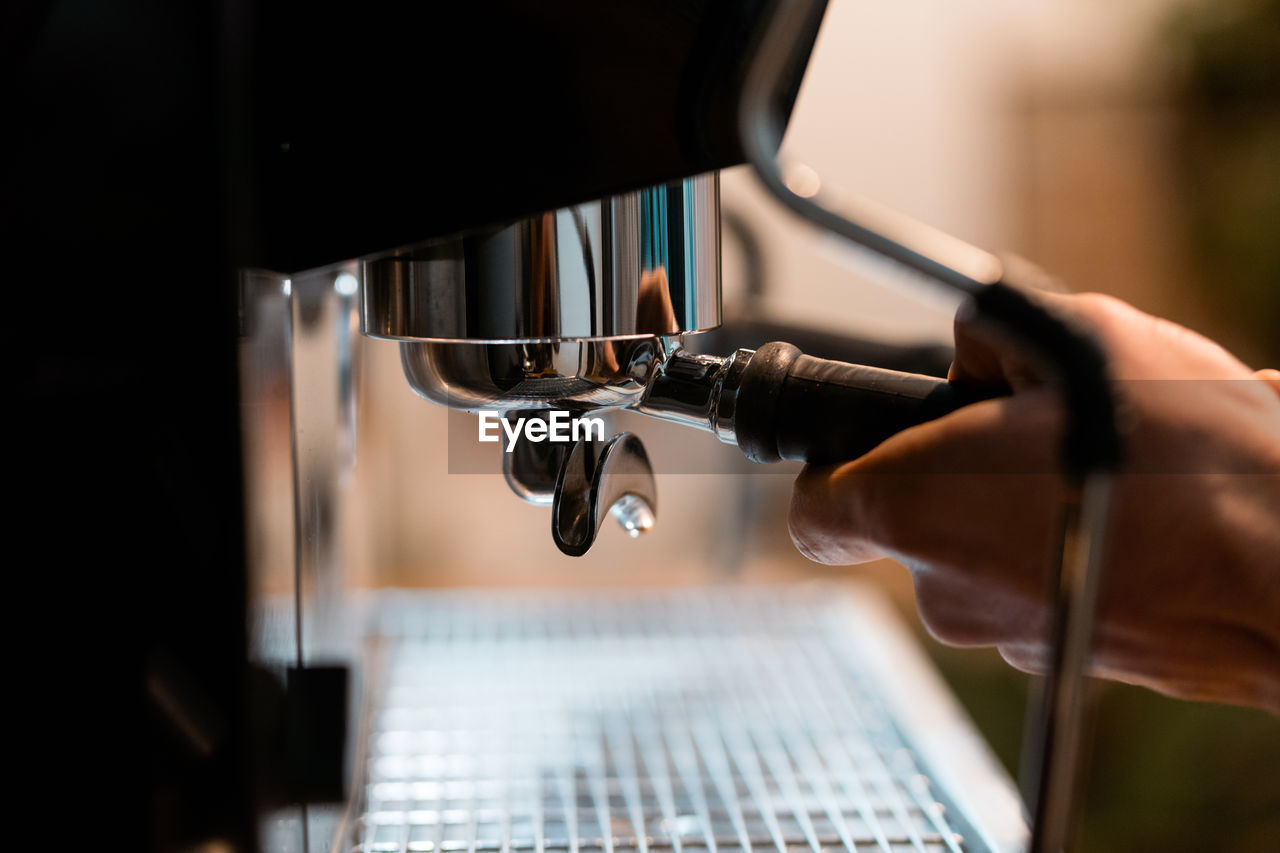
x,y
793,406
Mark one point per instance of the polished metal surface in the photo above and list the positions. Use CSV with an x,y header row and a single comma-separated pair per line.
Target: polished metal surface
x,y
531,468
640,263
300,361
583,482
599,478
696,390
573,310
267,353
324,357
574,376
653,376
710,721
1064,694
590,479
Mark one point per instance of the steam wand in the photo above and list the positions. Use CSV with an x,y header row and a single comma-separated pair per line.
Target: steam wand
x,y
1092,444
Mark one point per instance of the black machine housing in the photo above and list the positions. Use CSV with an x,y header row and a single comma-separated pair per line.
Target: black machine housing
x,y
152,151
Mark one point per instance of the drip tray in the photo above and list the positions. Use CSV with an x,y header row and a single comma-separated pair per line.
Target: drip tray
x,y
742,720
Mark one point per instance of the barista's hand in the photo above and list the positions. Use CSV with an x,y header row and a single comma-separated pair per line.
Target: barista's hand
x,y
1191,597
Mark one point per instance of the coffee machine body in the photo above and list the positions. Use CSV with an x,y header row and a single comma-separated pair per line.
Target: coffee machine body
x,y
161,159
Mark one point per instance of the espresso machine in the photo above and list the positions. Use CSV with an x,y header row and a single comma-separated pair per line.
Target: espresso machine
x,y
594,308
524,198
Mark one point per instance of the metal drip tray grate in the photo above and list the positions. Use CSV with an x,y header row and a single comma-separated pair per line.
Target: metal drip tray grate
x,y
706,721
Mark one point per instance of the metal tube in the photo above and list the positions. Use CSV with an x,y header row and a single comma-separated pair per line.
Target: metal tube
x,y
1091,446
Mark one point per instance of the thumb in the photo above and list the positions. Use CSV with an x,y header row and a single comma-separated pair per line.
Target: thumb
x,y
986,356
1270,376
967,484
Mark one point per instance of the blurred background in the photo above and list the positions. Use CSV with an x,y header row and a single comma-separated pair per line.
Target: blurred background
x,y
1129,148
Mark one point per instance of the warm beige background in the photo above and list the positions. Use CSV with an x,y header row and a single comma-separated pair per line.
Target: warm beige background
x,y
1045,128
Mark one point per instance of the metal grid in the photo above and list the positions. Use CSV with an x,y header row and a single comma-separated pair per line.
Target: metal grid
x,y
704,722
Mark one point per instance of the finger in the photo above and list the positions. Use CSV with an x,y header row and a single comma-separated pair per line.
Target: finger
x,y
957,490
1025,657
1142,346
986,355
1271,377
966,502
969,608
825,523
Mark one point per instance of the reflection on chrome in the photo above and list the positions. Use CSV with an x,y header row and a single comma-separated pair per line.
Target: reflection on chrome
x,y
641,263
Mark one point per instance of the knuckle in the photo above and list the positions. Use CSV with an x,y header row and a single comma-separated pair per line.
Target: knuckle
x,y
808,519
958,612
875,514
1024,659
942,625
800,526
827,521
1097,308
806,506
1104,312
935,602
862,501
1098,304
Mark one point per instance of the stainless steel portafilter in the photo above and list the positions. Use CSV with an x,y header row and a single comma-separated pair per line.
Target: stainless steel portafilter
x,y
587,309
